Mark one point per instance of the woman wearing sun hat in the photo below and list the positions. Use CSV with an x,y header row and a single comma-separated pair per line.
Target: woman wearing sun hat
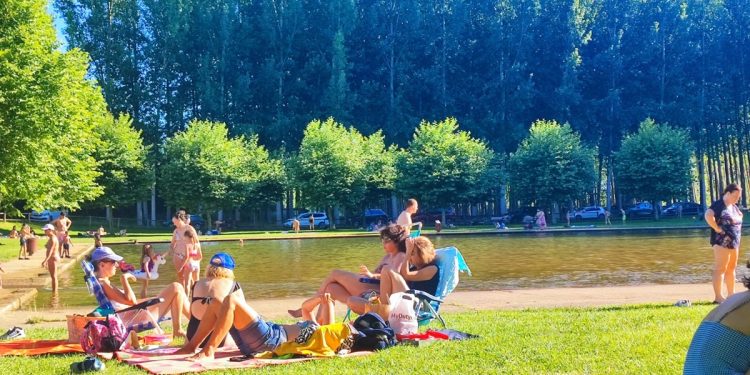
x,y
175,302
52,257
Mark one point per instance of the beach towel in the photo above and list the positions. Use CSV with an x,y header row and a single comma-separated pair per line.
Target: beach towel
x,y
162,361
38,347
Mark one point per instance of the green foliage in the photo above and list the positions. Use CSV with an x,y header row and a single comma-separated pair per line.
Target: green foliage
x,y
49,113
551,165
126,173
443,166
337,166
205,171
655,163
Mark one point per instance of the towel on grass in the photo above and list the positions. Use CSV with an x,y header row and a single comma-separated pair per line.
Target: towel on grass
x,y
162,361
38,347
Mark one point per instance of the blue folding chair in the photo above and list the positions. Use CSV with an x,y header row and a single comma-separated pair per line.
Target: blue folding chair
x,y
450,263
141,320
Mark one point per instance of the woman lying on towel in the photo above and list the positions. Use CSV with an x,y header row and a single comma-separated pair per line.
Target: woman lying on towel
x,y
343,284
226,311
418,272
105,263
721,345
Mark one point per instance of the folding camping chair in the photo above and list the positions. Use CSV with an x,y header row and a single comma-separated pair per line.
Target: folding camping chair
x,y
141,320
450,262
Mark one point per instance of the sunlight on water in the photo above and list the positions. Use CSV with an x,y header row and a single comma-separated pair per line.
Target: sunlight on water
x,y
270,269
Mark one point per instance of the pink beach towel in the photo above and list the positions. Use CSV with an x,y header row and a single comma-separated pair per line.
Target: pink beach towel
x,y
162,361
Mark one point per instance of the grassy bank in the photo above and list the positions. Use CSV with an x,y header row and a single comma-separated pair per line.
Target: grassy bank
x,y
639,339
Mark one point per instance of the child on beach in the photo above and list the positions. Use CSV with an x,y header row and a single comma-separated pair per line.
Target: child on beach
x,y
66,245
23,237
148,259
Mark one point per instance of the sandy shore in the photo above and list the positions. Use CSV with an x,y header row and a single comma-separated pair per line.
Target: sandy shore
x,y
457,302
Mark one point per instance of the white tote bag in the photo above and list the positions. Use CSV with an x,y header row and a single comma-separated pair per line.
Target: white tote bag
x,y
403,318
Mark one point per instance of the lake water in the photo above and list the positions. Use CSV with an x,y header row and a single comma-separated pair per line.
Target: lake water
x,y
283,268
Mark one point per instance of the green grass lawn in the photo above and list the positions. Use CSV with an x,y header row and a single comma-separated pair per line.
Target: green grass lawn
x,y
642,339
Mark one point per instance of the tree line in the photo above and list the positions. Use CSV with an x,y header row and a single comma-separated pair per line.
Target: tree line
x,y
267,69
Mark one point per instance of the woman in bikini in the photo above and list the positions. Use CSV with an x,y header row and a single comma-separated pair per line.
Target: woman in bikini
x,y
219,308
178,246
53,256
341,285
175,302
418,272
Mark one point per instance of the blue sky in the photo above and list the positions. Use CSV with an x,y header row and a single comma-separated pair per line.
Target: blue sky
x,y
59,25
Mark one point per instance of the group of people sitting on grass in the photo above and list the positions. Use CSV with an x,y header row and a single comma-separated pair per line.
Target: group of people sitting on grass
x,y
215,305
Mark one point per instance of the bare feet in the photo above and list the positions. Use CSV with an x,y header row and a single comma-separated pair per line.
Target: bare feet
x,y
295,313
200,356
185,350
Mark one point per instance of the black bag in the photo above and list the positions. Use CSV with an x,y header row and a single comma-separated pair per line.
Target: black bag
x,y
373,333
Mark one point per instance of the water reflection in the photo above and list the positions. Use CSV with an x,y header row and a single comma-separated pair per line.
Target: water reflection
x,y
269,269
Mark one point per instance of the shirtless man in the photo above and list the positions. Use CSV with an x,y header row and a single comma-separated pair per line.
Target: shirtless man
x,y
53,256
404,219
62,225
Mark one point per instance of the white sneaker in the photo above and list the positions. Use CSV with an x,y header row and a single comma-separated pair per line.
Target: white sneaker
x,y
13,333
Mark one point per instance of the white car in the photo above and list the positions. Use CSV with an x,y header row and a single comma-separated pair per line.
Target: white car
x,y
45,215
591,212
321,220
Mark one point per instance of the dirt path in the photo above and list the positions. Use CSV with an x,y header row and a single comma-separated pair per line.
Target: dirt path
x,y
456,302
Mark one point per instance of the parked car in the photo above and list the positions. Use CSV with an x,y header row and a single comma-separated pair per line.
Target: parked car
x,y
688,208
45,215
641,209
591,212
321,220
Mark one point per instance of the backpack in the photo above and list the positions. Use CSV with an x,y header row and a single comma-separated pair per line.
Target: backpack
x,y
372,333
103,335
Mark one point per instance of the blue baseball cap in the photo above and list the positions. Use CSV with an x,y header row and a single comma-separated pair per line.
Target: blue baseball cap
x,y
222,260
104,253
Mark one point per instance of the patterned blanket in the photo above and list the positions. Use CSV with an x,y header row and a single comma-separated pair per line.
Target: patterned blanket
x,y
162,361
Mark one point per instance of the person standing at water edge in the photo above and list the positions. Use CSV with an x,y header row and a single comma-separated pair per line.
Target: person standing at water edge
x,y
295,225
62,226
541,221
725,220
404,219
53,255
312,221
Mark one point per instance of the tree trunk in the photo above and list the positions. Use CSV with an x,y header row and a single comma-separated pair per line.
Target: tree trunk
x,y
153,204
701,176
138,213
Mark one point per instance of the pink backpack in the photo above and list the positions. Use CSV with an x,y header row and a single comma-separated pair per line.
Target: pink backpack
x,y
103,335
